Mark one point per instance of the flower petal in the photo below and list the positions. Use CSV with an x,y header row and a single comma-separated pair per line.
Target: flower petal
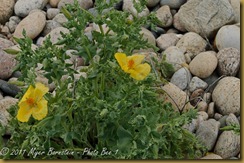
x,y
137,58
121,59
27,93
40,91
24,112
40,111
141,71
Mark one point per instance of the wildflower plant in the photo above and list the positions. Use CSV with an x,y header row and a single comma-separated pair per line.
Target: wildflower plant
x,y
114,111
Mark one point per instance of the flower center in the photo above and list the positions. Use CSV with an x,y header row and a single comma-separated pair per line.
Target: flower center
x,y
30,101
131,64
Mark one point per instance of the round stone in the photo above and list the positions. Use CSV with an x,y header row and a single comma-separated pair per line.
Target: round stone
x,y
226,96
128,5
85,4
6,10
181,78
204,64
229,61
54,3
7,65
197,83
167,40
175,4
164,16
212,156
152,3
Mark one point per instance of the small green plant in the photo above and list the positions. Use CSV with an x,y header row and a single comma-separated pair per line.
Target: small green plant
x,y
108,113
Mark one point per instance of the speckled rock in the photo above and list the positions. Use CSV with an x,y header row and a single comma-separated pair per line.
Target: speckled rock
x,y
6,10
232,119
23,7
13,22
50,25
204,64
5,104
229,61
33,25
54,3
86,4
206,17
228,36
55,34
192,43
52,12
147,35
177,24
152,3
212,156
226,96
207,133
236,5
7,65
181,78
164,16
197,83
173,4
228,145
179,97
175,56
167,40
4,43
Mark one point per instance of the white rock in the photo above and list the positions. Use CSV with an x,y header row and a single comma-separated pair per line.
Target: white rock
x,y
23,7
229,61
167,40
228,145
175,4
181,78
204,64
164,16
226,96
228,36
128,6
205,17
85,4
33,25
175,56
52,12
6,10
192,43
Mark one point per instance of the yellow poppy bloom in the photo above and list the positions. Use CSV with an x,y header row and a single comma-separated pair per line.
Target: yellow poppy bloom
x,y
133,65
33,103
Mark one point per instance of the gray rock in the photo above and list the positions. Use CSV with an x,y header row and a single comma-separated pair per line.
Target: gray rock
x,y
4,43
13,22
147,35
203,114
172,3
192,126
228,145
54,3
6,10
218,116
152,3
181,78
52,12
5,104
228,36
237,9
204,64
207,97
229,61
208,133
222,121
1,95
226,96
50,25
164,16
60,18
7,65
212,81
192,43
85,4
175,56
128,6
33,25
212,156
55,34
197,83
211,110
23,7
206,17
177,24
232,119
167,40
9,89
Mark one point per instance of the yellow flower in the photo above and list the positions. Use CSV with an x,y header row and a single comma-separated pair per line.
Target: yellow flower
x,y
33,103
133,66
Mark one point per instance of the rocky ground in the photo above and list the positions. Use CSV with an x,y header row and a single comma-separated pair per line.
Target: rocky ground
x,y
200,38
